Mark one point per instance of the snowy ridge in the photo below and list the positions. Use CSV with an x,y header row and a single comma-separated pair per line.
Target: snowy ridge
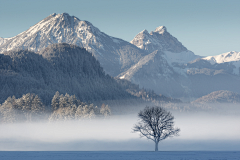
x,y
232,57
225,57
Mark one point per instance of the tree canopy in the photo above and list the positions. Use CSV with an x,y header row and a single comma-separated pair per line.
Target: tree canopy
x,y
156,124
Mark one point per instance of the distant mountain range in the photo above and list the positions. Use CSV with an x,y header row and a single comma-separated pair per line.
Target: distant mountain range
x,y
155,60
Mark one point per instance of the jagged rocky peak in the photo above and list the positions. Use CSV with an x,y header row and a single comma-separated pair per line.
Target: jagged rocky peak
x,y
161,29
59,17
159,39
144,32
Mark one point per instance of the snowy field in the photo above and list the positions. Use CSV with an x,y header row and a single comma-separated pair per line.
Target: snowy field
x,y
114,155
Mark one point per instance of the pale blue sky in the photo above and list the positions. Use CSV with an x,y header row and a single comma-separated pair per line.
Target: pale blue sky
x,y
206,27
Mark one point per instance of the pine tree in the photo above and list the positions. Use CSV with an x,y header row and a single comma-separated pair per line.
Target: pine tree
x,y
55,101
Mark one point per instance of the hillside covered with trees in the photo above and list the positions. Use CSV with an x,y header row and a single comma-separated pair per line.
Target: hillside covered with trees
x,y
60,67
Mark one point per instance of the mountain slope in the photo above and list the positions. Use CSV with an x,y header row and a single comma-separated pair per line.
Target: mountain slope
x,y
154,72
3,40
114,54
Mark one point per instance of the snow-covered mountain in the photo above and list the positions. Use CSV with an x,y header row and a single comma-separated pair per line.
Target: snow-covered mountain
x,y
161,70
171,69
59,28
172,50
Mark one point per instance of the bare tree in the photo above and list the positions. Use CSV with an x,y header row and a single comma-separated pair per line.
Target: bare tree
x,y
156,124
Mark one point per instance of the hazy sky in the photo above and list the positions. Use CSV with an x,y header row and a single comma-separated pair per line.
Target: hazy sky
x,y
206,27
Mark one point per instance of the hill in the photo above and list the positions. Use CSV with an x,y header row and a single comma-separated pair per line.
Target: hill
x,y
59,67
219,97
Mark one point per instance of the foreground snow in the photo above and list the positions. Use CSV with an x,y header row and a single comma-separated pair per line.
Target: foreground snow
x,y
141,155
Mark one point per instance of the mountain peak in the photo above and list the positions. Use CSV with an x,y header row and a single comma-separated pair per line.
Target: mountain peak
x,y
159,39
161,29
65,14
53,15
144,31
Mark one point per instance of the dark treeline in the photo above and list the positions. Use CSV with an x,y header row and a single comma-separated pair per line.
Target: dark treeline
x,y
29,108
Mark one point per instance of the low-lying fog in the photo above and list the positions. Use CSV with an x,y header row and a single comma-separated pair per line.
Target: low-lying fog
x,y
199,131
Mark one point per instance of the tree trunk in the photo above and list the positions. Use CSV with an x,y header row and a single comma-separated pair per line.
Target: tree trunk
x,y
156,146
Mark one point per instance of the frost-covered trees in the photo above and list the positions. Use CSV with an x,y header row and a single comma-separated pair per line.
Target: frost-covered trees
x,y
70,108
30,108
156,124
27,108
105,110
